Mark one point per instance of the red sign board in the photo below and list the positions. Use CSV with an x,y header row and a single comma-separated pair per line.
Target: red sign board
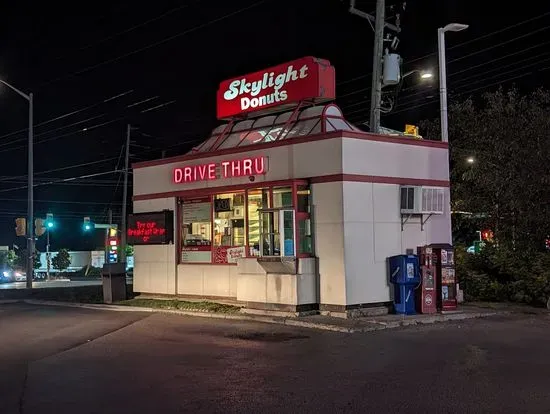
x,y
247,167
277,88
150,228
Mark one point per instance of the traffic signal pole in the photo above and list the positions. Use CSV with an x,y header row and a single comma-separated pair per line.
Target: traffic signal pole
x,y
122,252
30,195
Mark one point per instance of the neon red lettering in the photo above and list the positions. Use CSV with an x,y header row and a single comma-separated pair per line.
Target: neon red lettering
x,y
178,175
259,165
211,171
247,166
225,169
187,174
236,168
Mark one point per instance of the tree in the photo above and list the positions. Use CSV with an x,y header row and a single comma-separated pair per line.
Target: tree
x,y
7,259
62,260
21,259
499,164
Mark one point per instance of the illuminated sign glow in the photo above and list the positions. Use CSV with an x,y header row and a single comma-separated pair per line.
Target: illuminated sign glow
x,y
150,228
308,78
227,169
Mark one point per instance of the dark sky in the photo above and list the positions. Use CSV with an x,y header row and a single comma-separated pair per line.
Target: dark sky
x,y
174,53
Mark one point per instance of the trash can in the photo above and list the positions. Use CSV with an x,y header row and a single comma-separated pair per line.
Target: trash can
x,y
405,276
113,276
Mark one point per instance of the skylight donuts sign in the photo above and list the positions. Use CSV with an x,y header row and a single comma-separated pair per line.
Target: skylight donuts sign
x,y
279,87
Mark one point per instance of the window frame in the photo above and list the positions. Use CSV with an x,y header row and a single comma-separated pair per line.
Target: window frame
x,y
298,216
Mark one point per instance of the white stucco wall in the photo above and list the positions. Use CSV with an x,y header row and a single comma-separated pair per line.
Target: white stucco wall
x,y
327,200
155,266
372,233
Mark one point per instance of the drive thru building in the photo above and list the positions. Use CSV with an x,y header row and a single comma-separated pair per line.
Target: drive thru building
x,y
286,205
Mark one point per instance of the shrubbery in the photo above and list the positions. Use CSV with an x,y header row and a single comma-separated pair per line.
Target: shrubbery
x,y
497,274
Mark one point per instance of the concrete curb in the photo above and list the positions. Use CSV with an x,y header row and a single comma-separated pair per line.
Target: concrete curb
x,y
375,325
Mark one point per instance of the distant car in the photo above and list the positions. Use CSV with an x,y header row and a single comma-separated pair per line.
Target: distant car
x,y
10,276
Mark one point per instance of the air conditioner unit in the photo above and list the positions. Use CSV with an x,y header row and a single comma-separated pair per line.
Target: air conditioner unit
x,y
422,200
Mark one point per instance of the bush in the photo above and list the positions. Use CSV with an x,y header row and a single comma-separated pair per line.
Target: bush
x,y
497,274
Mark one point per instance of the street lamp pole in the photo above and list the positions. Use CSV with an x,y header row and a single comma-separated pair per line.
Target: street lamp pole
x,y
30,185
451,27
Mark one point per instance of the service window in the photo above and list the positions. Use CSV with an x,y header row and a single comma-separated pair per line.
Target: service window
x,y
277,232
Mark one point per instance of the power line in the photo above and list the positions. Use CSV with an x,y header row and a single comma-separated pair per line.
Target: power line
x,y
130,29
155,44
17,200
498,44
499,82
60,181
64,135
477,75
504,29
455,88
57,118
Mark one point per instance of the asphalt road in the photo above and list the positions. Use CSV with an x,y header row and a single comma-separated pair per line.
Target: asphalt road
x,y
67,360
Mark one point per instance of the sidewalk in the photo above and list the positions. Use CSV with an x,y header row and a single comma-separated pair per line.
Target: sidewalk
x,y
327,323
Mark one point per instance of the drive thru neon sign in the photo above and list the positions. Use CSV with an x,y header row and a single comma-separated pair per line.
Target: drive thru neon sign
x,y
246,167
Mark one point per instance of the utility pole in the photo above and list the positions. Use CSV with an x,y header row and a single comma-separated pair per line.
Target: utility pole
x,y
377,58
122,253
378,51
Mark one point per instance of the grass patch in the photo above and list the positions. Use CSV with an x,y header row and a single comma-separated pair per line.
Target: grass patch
x,y
181,305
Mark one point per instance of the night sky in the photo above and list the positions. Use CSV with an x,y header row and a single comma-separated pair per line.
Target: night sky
x,y
90,67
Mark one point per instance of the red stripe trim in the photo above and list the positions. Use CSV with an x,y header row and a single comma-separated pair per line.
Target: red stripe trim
x,y
315,180
299,140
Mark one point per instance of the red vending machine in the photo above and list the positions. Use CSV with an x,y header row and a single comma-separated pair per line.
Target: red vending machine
x,y
443,258
426,294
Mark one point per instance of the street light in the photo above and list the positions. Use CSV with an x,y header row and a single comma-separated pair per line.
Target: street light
x,y
470,160
451,27
424,74
30,185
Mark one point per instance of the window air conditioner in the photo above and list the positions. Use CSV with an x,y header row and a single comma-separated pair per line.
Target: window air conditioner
x,y
422,200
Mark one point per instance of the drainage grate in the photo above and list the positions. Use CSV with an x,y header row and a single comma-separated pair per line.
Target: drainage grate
x,y
266,336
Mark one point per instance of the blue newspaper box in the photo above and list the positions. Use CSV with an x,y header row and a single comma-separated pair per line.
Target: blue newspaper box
x,y
405,276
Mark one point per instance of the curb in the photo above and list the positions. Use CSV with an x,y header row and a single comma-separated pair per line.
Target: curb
x,y
375,325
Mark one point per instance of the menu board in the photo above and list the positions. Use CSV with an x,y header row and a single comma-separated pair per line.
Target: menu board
x,y
197,210
196,254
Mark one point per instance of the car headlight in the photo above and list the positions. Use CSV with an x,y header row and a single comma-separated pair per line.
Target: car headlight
x,y
6,274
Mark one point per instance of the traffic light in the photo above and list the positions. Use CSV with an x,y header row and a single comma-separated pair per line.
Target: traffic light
x,y
88,225
21,226
487,235
39,228
50,224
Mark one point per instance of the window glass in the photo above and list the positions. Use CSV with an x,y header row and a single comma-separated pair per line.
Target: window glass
x,y
229,220
303,197
282,197
229,228
257,199
304,232
288,232
196,230
270,236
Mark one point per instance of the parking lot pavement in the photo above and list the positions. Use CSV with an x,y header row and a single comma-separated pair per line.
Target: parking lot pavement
x,y
67,360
